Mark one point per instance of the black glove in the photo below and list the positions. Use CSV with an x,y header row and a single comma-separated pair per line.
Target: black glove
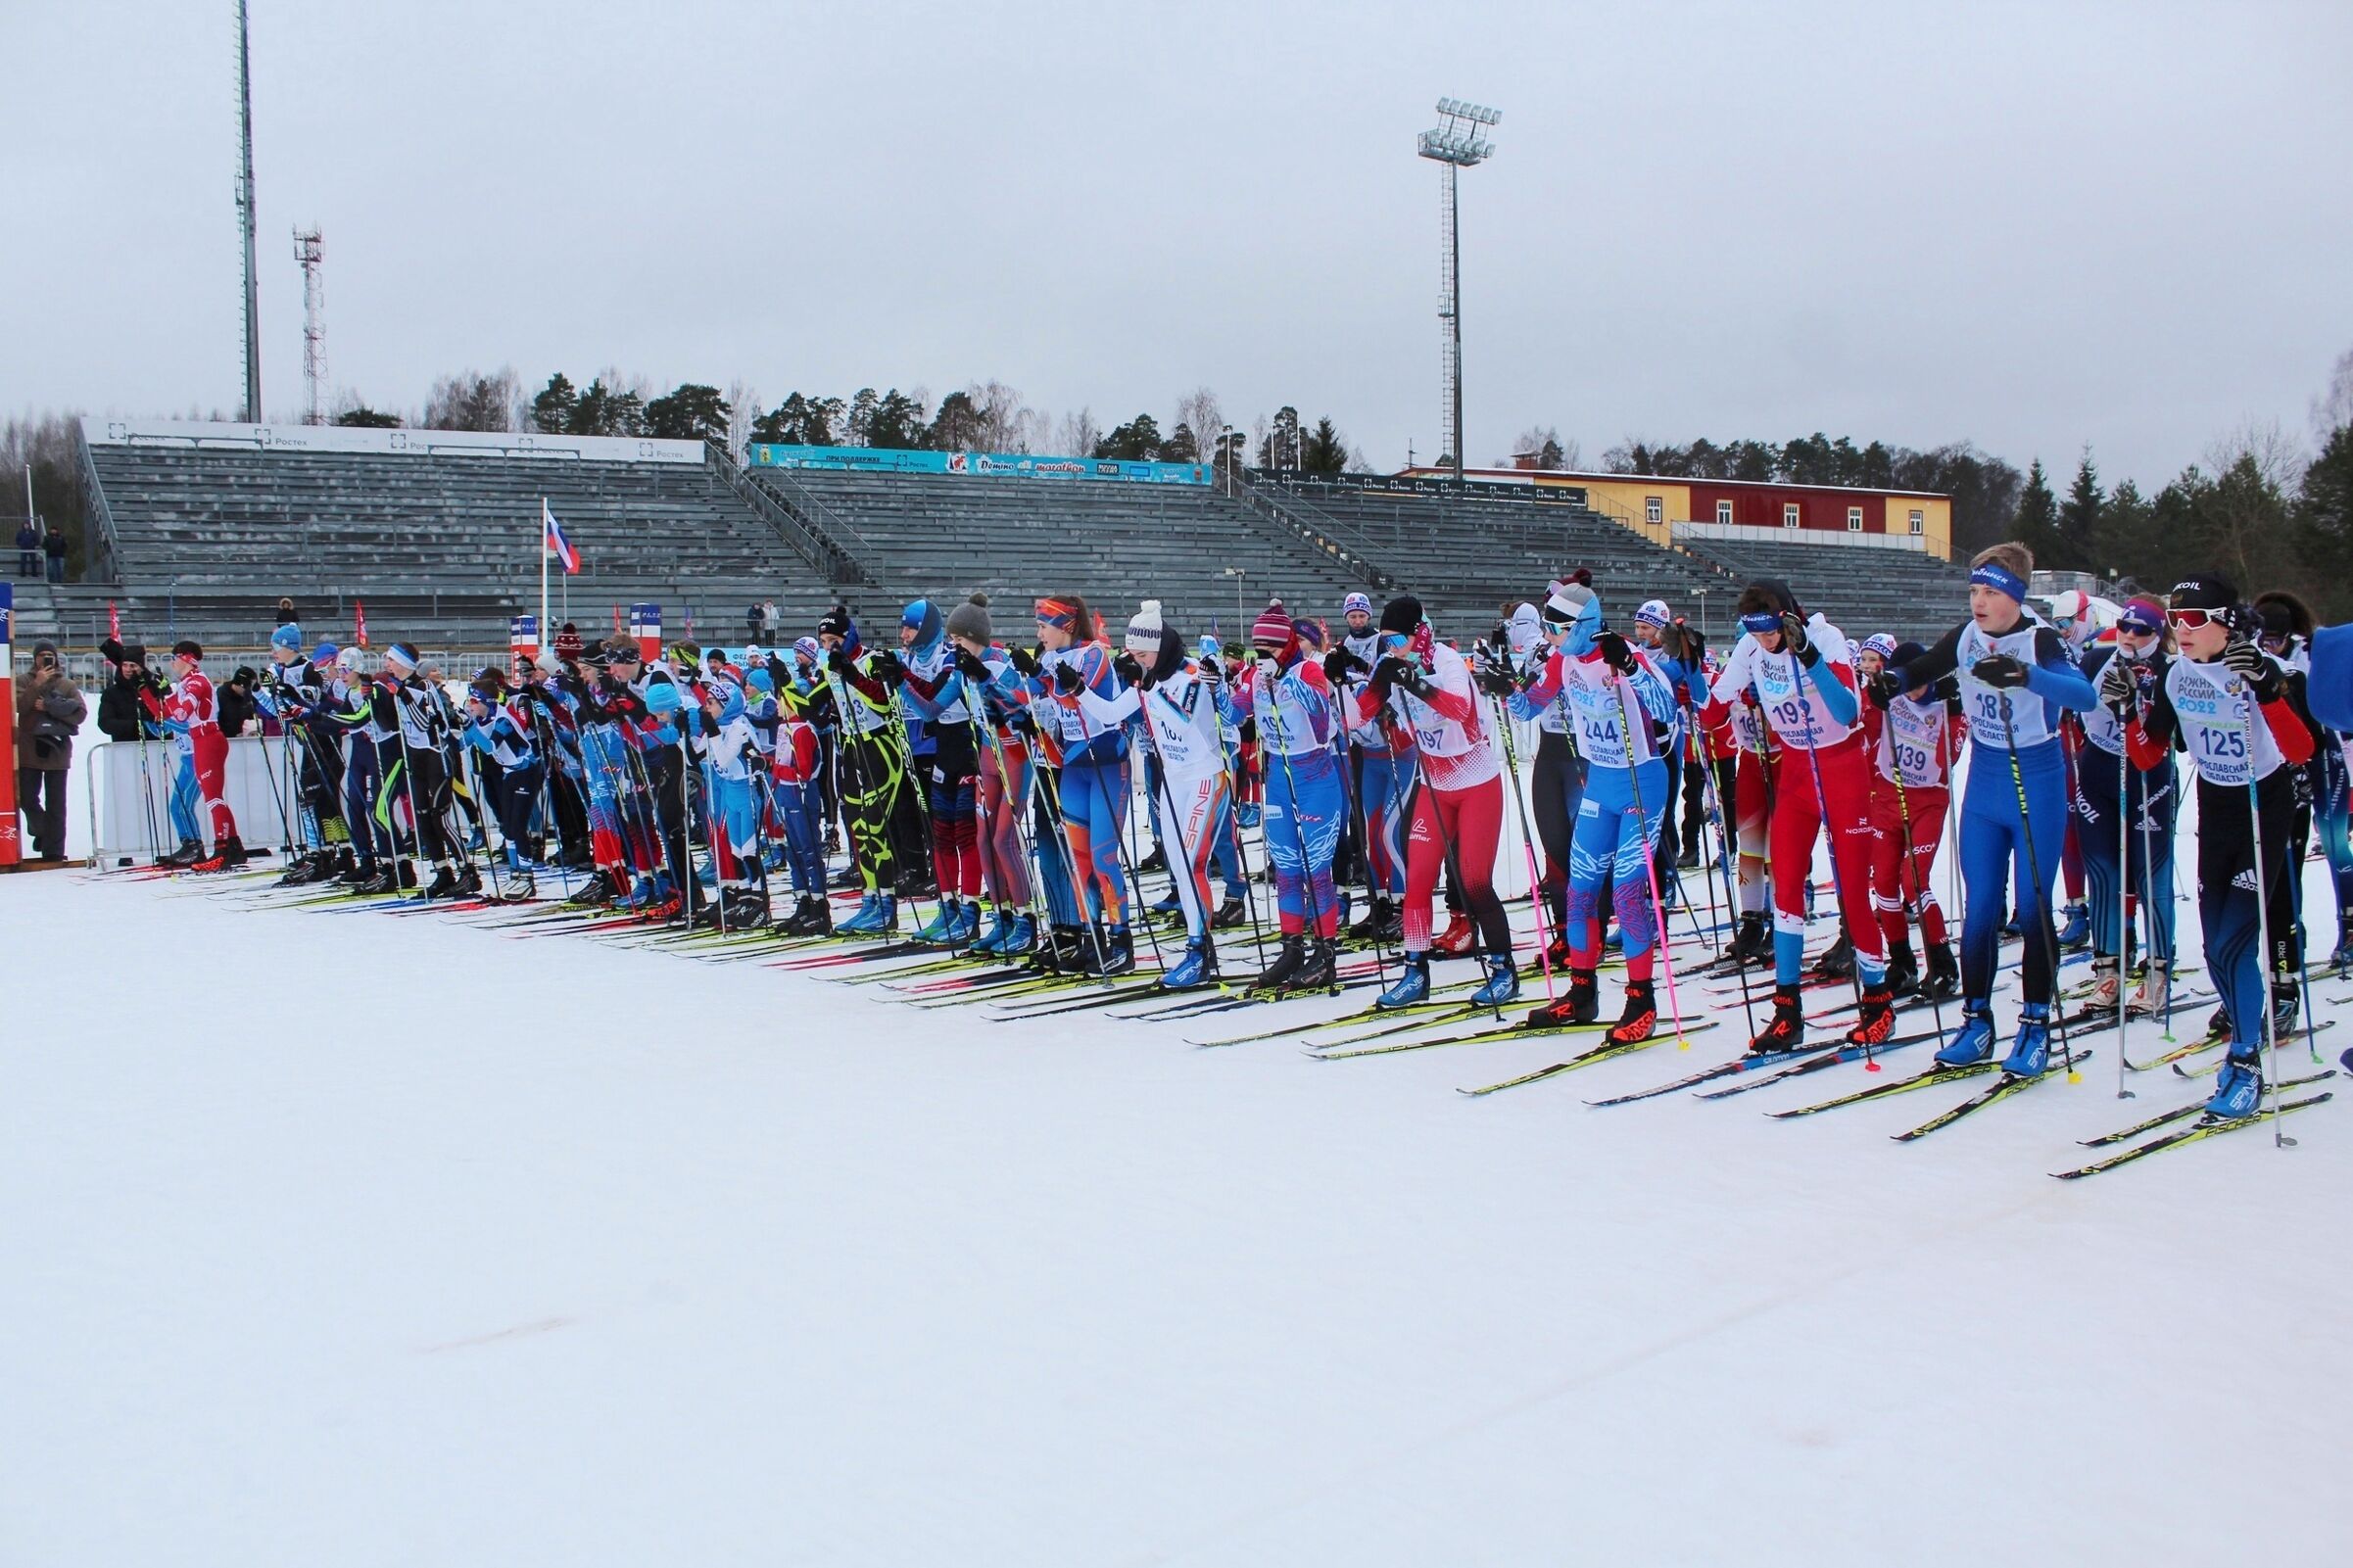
x,y
837,659
2115,684
1068,680
1391,671
1213,672
1024,660
2247,661
886,667
1999,671
1794,639
1881,689
1494,680
970,666
1124,666
1339,664
1614,652
1412,677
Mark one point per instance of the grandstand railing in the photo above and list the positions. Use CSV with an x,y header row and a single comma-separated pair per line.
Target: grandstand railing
x,y
103,560
808,524
1435,488
1317,528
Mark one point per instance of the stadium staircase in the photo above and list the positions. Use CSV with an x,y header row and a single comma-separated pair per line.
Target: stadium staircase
x,y
1862,589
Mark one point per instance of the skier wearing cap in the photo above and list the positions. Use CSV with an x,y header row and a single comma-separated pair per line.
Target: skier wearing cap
x,y
1377,775
1674,651
1557,775
294,694
1289,699
191,712
2284,630
996,698
1800,670
416,771
1179,710
2140,869
1092,789
1914,740
1614,695
2241,717
1423,689
721,735
2015,678
931,693
874,770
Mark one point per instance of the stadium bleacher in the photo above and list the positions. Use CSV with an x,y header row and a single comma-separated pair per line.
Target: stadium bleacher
x,y
206,526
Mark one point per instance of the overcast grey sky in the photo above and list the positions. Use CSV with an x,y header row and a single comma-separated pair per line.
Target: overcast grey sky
x,y
2027,225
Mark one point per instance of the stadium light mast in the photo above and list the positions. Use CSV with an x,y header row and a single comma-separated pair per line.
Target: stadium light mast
x,y
1456,145
310,250
245,217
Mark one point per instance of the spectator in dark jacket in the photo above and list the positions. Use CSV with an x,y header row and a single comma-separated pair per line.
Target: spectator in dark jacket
x,y
29,550
286,615
236,699
55,546
49,711
120,715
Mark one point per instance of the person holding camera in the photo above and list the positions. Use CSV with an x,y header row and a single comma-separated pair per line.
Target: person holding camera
x,y
50,709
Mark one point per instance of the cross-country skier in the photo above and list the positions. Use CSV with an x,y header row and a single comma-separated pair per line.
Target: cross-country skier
x,y
192,714
1091,793
1915,738
2138,872
1286,698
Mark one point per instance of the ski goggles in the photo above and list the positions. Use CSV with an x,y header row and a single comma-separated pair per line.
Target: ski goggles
x,y
2192,620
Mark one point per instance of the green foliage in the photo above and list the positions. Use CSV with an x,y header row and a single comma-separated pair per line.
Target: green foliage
x,y
2037,525
362,417
692,413
1325,451
602,410
957,425
1136,441
1181,447
2324,523
2079,521
898,422
552,410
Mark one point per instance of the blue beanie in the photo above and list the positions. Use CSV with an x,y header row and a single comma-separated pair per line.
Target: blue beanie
x,y
324,653
664,697
288,637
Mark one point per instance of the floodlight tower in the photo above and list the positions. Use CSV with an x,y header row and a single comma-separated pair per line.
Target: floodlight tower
x,y
310,249
1456,145
245,217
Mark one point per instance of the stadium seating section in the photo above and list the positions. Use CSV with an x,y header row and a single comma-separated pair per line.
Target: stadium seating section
x,y
439,547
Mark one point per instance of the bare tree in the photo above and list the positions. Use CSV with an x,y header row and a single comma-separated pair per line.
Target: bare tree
x,y
2333,409
1077,434
1004,419
2277,456
1198,411
743,407
473,401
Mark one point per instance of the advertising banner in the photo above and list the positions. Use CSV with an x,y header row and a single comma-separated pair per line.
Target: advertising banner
x,y
997,464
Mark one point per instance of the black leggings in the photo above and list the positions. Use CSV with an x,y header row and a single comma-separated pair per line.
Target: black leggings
x,y
2228,911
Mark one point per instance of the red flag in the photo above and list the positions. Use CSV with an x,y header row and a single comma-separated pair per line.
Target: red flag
x,y
113,620
616,620
359,623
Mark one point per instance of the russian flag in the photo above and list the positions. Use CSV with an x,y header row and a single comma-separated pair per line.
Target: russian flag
x,y
555,542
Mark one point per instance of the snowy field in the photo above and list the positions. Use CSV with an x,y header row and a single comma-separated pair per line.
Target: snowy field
x,y
341,1238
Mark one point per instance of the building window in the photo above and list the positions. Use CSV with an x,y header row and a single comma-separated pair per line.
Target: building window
x,y
1723,512
1855,519
1919,523
1653,510
1788,514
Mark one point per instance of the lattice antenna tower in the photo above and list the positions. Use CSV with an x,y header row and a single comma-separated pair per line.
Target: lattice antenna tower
x,y
310,249
1456,145
245,216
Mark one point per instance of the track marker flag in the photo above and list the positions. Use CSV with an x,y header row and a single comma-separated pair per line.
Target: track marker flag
x,y
359,623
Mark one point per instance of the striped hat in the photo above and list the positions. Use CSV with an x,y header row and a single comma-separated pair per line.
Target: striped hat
x,y
1654,612
1881,644
1355,603
1273,629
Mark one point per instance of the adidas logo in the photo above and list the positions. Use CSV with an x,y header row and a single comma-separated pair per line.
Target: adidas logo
x,y
2245,879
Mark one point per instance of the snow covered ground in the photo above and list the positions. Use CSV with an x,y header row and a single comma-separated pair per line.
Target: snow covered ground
x,y
354,1239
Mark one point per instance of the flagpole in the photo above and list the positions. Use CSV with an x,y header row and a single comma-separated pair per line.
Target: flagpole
x,y
546,638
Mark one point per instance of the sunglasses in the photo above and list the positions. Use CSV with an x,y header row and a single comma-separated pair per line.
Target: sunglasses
x,y
2189,620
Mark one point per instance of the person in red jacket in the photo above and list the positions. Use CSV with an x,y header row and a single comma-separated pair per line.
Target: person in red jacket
x,y
192,709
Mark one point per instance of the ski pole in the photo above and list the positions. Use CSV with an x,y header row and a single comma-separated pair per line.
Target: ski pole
x,y
2263,911
1527,844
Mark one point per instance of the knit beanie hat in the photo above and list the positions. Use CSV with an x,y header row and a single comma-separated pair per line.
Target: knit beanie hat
x,y
1881,644
1401,614
1654,612
970,618
1144,628
1567,600
1273,628
567,641
288,637
2142,613
1355,603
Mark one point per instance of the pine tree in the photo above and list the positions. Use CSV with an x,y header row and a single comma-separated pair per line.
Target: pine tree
x,y
2325,519
552,410
2080,519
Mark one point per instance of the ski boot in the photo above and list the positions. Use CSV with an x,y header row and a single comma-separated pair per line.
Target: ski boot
x,y
2075,927
1198,966
993,944
1837,961
2342,959
1020,937
1752,941
1412,983
1785,1032
1875,1022
404,874
1973,1042
305,871
519,887
1158,860
915,884
598,889
1247,815
376,884
2013,928
1582,1004
2030,1051
189,852
847,877
1230,914
2150,998
1943,980
946,924
443,884
2285,1008
1689,860
1276,974
2107,982
1903,970
1375,925
864,921
746,908
1167,904
1640,1020
2239,1088
811,917
1502,983
469,880
226,855
1318,972
1556,952
1457,937
1118,955
2218,1024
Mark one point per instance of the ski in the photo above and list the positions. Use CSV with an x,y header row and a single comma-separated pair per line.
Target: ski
x,y
2208,1069
1343,1050
1607,1051
2010,1084
2152,1123
1737,1065
2205,1127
